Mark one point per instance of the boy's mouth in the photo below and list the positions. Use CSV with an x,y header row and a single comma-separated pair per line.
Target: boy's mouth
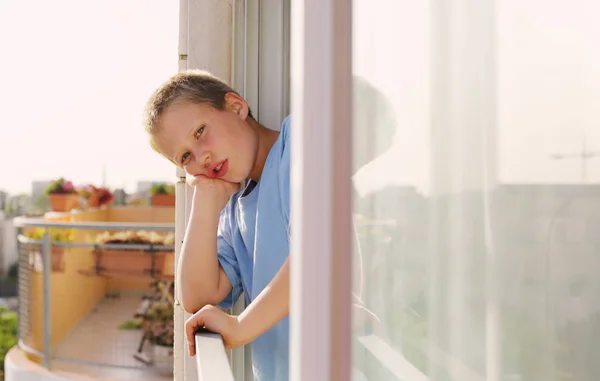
x,y
219,169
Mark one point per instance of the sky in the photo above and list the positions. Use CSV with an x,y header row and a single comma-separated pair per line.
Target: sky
x,y
547,88
74,78
75,75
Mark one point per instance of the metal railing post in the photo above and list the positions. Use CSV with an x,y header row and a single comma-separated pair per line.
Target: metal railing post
x,y
47,267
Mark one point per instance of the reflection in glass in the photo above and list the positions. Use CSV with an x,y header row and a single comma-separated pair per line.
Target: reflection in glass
x,y
477,255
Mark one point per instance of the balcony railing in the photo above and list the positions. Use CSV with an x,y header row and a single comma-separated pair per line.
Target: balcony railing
x,y
73,321
59,333
211,358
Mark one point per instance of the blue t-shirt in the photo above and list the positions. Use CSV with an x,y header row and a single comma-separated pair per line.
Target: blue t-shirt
x,y
253,243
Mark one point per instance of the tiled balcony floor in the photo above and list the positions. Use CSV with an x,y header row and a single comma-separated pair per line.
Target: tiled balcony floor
x,y
98,340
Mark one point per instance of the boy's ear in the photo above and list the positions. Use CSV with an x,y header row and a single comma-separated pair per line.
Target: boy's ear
x,y
237,104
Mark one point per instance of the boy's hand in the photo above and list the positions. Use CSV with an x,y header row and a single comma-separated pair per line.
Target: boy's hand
x,y
217,190
215,320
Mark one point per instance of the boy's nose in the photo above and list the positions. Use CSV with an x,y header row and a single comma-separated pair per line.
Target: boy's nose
x,y
195,168
201,163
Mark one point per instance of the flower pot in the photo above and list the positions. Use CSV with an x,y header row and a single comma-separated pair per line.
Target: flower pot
x,y
163,200
63,202
93,201
129,262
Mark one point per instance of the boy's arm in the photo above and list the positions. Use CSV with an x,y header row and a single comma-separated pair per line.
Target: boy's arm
x,y
270,307
200,278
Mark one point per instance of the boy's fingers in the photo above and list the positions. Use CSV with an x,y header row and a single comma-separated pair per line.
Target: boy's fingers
x,y
190,340
191,326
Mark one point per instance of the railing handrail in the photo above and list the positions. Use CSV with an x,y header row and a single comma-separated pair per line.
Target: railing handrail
x,y
22,222
117,246
211,359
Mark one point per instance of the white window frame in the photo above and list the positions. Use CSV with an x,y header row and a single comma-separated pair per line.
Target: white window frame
x,y
321,104
180,363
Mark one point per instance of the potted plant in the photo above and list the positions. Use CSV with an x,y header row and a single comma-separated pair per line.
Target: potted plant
x,y
63,195
57,254
157,323
96,197
133,262
162,194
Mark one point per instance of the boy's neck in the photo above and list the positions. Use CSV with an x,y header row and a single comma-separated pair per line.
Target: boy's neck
x,y
266,140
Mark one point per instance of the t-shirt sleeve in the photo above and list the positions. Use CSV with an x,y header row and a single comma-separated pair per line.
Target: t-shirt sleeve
x,y
227,259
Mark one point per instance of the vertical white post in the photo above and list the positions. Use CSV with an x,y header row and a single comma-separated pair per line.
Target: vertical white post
x,y
179,347
180,355
321,78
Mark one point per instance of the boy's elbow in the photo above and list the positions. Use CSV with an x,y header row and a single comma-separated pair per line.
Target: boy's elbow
x,y
190,306
192,300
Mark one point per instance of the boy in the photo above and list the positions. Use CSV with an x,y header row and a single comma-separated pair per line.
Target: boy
x,y
236,240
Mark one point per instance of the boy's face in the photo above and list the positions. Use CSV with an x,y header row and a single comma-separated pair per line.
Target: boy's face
x,y
206,141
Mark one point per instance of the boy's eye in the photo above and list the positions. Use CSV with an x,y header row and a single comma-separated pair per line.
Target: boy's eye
x,y
184,157
199,132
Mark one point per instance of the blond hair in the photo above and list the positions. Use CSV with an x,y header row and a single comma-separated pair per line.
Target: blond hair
x,y
196,86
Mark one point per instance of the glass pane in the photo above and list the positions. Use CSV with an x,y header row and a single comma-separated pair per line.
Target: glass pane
x,y
476,190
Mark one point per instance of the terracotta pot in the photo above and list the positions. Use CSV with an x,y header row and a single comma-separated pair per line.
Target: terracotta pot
x,y
163,200
64,202
93,201
130,262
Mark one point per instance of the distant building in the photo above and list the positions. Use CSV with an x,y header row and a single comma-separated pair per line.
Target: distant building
x,y
38,188
120,197
8,245
543,239
17,205
144,187
3,199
